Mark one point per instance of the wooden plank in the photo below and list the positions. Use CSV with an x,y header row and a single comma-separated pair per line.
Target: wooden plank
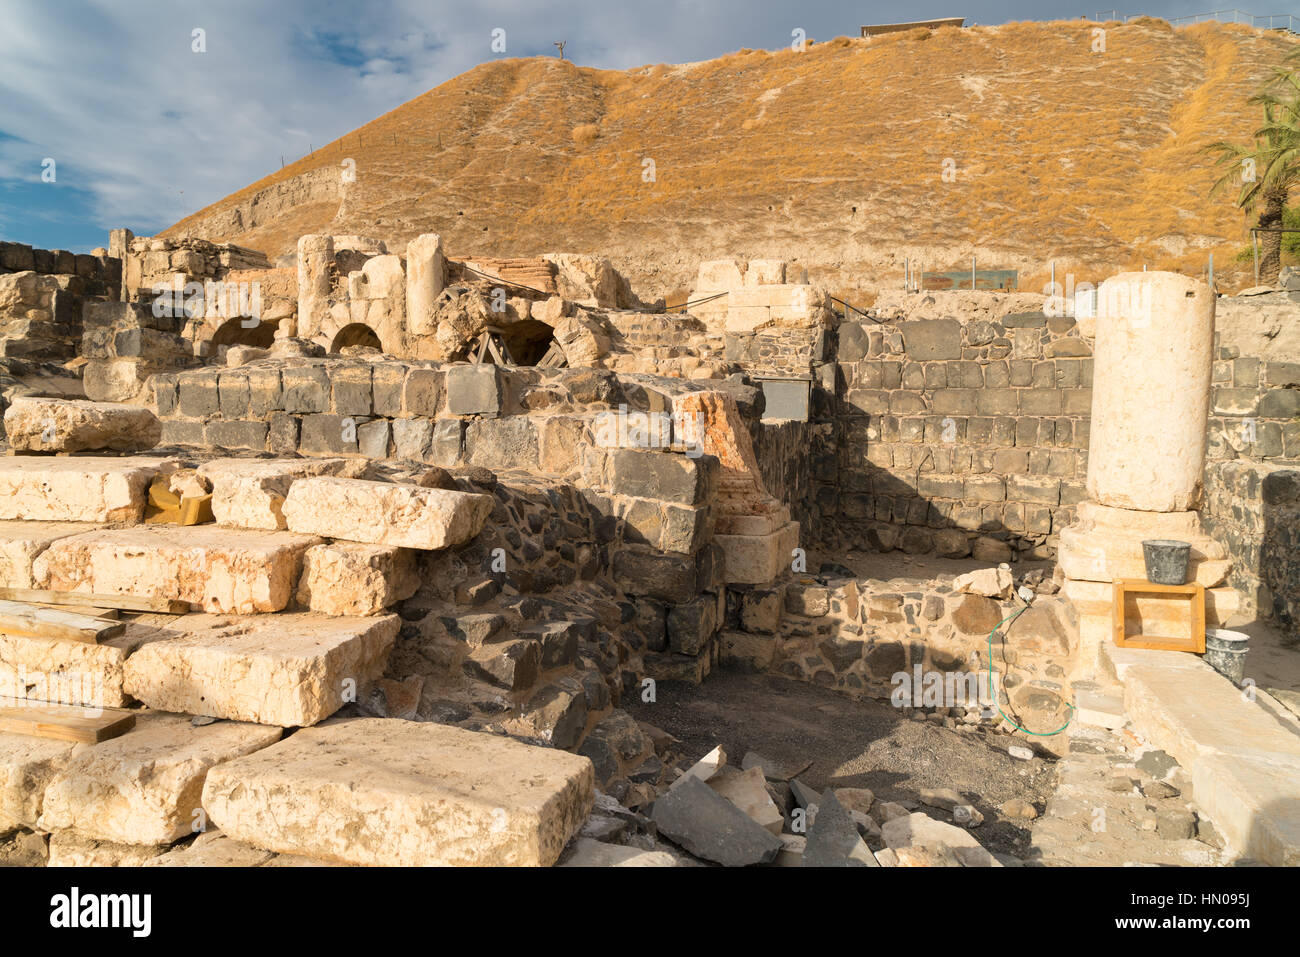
x,y
90,611
63,722
32,621
123,602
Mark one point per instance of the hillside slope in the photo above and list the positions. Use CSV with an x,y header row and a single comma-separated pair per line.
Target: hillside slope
x,y
834,156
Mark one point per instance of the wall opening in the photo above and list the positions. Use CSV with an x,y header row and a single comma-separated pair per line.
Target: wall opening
x,y
233,332
356,334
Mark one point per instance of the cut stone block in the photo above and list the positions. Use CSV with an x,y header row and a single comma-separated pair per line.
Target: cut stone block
x,y
144,787
748,791
76,672
250,493
387,792
218,569
27,765
381,513
290,670
74,425
70,849
345,578
758,559
75,489
21,542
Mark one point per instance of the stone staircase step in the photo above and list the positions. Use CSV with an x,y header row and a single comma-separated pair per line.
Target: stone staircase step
x,y
75,488
21,542
221,570
292,670
140,788
387,792
385,513
250,493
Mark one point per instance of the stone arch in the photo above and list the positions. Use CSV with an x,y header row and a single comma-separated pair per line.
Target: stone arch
x,y
356,334
233,332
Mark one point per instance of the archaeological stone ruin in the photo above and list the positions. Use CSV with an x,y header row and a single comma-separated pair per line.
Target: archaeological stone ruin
x,y
388,557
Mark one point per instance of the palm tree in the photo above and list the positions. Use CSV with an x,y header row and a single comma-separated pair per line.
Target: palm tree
x,y
1266,169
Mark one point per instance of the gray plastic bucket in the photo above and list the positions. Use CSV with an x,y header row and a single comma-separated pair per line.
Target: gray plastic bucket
x,y
1225,652
1166,561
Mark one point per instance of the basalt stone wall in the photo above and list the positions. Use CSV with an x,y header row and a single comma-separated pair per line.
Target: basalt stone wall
x,y
1252,480
101,275
955,435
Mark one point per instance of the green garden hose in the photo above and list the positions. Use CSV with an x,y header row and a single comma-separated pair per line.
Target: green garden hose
x,y
993,695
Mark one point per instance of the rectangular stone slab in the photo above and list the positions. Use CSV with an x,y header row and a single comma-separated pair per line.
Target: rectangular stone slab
x,y
387,792
250,493
346,578
218,569
75,489
383,513
72,672
27,765
21,542
289,670
71,425
144,787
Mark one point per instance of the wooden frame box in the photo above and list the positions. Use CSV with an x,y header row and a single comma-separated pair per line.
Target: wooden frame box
x,y
1169,608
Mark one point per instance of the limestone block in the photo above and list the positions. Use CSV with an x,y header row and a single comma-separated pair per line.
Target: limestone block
x,y
583,340
219,569
765,272
144,787
21,542
75,489
345,578
387,792
71,849
27,765
1151,391
380,513
717,275
289,670
76,672
758,559
250,493
212,849
315,258
70,425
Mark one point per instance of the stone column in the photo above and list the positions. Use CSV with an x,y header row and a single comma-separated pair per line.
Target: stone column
x,y
1150,405
426,270
315,257
1151,391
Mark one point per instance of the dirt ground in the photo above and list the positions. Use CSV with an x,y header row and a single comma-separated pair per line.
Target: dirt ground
x,y
866,744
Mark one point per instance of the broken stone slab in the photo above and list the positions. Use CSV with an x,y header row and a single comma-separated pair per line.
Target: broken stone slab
x,y
833,839
291,670
386,792
382,513
989,582
212,849
71,849
76,672
75,488
220,570
345,578
38,424
704,768
709,826
585,852
919,831
804,796
22,542
748,791
27,765
144,787
250,493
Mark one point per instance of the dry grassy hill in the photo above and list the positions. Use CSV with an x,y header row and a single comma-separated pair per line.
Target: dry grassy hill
x,y
834,156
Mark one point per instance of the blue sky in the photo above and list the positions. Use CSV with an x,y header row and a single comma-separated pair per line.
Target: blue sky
x,y
143,130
